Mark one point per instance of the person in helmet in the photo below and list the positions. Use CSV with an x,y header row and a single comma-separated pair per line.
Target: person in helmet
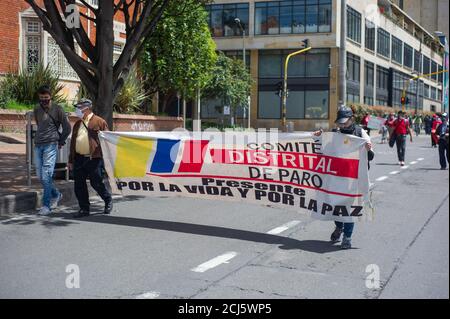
x,y
345,123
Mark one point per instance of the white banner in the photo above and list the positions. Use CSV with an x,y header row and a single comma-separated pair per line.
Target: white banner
x,y
375,123
326,177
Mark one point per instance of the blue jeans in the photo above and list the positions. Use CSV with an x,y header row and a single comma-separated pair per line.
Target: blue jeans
x,y
45,160
348,228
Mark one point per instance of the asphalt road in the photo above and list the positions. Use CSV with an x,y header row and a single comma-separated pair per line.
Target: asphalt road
x,y
186,248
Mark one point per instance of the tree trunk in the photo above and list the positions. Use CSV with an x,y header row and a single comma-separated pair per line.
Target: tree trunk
x,y
105,41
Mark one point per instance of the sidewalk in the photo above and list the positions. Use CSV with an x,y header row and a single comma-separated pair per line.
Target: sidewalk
x,y
15,195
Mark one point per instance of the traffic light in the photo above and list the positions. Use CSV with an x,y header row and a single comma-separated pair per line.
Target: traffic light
x,y
305,43
279,91
404,100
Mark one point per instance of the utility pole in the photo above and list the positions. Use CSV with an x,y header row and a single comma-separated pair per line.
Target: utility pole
x,y
342,85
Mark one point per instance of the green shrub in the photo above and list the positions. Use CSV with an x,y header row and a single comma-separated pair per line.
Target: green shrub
x,y
22,87
130,97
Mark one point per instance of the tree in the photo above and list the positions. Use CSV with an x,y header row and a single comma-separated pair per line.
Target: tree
x,y
231,81
95,67
180,56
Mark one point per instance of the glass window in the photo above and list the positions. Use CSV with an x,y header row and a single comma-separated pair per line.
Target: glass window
x,y
397,50
368,100
417,61
211,108
353,24
353,67
383,43
270,64
297,66
222,19
316,104
426,65
369,74
434,70
382,78
433,93
311,18
260,19
427,91
439,97
315,63
269,105
325,17
286,18
370,35
408,56
273,15
295,105
299,19
299,16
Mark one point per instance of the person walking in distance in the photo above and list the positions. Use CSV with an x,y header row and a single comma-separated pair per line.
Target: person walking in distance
x,y
443,141
436,122
53,128
402,128
86,158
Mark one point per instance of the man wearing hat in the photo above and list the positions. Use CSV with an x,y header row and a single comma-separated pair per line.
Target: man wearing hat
x,y
345,123
86,159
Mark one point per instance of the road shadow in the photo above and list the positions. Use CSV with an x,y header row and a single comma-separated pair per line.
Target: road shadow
x,y
431,169
315,246
24,219
387,164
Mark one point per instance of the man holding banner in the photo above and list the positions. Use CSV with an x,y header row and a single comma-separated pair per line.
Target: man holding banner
x,y
346,125
325,176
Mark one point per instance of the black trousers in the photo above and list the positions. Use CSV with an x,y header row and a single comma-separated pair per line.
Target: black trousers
x,y
401,147
84,168
443,153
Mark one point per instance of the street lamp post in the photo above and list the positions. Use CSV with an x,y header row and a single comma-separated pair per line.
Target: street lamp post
x,y
244,59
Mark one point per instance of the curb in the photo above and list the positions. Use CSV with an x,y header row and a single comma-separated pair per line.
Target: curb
x,y
22,202
10,139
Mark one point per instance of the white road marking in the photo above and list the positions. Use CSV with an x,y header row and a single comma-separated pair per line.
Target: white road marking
x,y
222,259
284,227
394,172
382,178
148,295
420,159
413,163
405,167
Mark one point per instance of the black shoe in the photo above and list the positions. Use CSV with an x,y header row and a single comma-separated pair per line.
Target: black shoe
x,y
336,235
108,207
81,213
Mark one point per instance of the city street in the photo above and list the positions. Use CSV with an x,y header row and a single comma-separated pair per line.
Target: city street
x,y
185,248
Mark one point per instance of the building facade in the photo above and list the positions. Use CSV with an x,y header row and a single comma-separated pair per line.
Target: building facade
x,y
385,47
24,43
431,14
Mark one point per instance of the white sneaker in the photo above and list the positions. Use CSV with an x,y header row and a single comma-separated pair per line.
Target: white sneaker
x,y
54,202
44,211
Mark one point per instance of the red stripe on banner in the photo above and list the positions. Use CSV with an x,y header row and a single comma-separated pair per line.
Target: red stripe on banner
x,y
258,180
193,156
317,163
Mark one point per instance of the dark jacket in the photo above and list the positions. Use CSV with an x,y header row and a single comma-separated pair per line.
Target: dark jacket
x,y
96,124
49,121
